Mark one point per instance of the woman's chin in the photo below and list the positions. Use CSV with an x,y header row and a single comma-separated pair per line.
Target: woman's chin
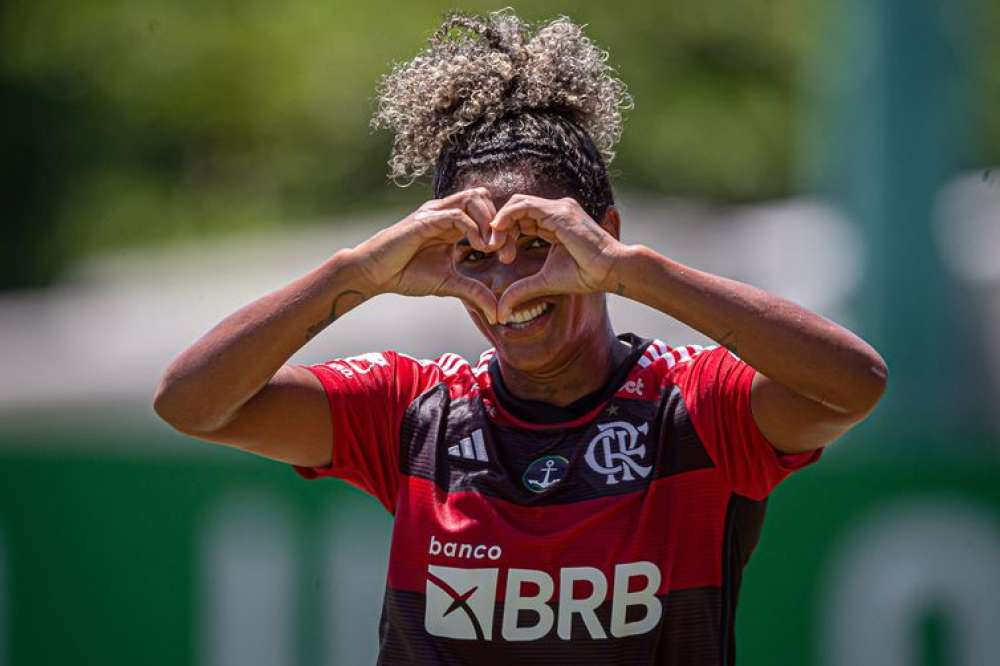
x,y
529,355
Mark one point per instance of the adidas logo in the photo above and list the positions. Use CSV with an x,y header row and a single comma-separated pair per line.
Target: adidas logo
x,y
470,448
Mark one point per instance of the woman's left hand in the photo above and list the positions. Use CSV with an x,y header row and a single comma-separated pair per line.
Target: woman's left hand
x,y
582,258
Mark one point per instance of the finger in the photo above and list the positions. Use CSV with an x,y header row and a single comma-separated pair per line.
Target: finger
x,y
522,291
553,226
508,249
546,235
508,252
506,227
482,210
471,291
476,201
453,224
528,219
458,199
496,240
515,209
527,226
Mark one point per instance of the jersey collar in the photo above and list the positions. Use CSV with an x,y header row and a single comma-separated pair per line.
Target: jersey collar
x,y
536,414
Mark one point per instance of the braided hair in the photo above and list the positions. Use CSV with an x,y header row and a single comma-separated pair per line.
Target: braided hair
x,y
490,93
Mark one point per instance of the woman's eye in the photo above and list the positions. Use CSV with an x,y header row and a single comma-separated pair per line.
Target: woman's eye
x,y
537,242
474,256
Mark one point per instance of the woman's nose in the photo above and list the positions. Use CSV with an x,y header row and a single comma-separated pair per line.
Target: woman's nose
x,y
503,275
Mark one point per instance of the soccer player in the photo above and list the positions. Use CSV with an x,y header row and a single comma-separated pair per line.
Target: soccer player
x,y
575,496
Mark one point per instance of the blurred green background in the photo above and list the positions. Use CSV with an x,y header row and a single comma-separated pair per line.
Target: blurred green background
x,y
144,122
164,162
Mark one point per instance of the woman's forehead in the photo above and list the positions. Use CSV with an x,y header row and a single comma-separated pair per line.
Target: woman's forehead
x,y
503,183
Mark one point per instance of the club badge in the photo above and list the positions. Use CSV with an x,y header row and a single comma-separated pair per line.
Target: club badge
x,y
616,453
544,473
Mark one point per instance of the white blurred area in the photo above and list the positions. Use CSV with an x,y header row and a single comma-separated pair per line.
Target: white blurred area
x,y
967,233
99,340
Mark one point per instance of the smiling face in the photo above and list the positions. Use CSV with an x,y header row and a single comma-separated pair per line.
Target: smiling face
x,y
544,334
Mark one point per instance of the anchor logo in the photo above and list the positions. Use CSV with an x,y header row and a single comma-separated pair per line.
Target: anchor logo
x,y
544,473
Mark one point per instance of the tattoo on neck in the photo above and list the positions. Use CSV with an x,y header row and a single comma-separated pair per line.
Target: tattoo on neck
x,y
620,289
314,330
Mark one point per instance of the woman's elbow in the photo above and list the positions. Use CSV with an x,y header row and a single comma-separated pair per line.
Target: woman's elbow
x,y
166,405
177,410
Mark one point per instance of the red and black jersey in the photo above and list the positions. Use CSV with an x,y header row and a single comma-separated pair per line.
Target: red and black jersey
x,y
610,531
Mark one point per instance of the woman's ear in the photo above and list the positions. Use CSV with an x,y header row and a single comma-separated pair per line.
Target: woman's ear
x,y
612,222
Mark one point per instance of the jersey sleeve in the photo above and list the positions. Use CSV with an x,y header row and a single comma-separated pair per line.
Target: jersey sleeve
x,y
715,385
368,396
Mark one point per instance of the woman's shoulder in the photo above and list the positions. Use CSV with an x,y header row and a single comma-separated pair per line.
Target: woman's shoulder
x,y
448,363
663,356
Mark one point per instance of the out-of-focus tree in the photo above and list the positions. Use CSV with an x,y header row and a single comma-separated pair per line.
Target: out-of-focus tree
x,y
984,58
148,120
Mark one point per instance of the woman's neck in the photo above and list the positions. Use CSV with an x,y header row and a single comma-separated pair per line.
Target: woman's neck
x,y
585,370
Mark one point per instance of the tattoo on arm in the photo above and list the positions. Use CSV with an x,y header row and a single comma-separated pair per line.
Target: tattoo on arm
x,y
314,330
729,341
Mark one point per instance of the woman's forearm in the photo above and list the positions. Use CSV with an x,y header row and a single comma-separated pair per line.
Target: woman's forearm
x,y
805,352
208,383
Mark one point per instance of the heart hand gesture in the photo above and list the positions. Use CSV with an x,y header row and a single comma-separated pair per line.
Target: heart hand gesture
x,y
582,258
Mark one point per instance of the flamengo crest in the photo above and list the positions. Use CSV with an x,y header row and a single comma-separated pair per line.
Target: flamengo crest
x,y
615,450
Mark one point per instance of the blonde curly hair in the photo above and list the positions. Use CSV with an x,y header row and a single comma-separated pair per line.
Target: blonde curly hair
x,y
491,89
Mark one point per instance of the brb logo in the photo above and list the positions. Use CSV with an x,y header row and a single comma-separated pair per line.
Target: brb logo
x,y
615,450
461,602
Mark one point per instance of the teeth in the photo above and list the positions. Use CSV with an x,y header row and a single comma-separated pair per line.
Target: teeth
x,y
524,316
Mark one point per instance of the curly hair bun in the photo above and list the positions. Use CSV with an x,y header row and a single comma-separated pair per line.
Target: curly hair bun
x,y
480,69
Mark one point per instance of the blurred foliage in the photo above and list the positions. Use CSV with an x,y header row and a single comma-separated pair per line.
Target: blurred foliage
x,y
985,61
149,120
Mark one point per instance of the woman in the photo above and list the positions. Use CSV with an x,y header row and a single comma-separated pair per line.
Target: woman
x,y
576,496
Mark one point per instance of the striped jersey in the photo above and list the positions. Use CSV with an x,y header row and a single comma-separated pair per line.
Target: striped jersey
x,y
613,530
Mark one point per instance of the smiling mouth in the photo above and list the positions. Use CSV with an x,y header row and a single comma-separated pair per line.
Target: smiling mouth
x,y
526,317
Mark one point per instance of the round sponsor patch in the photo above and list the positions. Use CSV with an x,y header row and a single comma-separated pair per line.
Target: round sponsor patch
x,y
544,473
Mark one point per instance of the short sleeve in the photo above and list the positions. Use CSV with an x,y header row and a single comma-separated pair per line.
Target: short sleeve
x,y
715,385
368,396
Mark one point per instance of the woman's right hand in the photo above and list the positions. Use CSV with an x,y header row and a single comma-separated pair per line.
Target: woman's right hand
x,y
414,256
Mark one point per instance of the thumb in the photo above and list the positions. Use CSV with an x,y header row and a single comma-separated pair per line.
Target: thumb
x,y
523,290
471,291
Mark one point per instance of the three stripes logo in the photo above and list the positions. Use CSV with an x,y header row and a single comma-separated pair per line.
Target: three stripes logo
x,y
472,447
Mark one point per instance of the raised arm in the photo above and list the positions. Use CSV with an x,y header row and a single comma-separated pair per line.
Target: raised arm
x,y
814,380
234,386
